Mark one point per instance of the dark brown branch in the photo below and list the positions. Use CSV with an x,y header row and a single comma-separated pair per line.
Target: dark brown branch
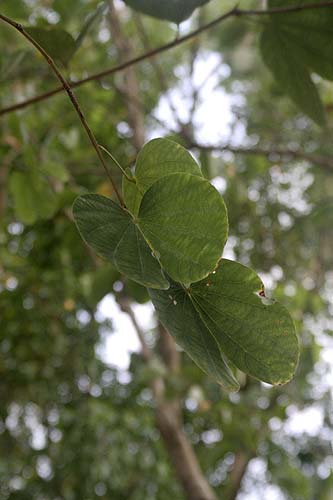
x,y
65,86
235,12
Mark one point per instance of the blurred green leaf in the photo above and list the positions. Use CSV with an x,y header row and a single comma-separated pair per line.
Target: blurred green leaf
x,y
59,44
290,70
173,10
33,197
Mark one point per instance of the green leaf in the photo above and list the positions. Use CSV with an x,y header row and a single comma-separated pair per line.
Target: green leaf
x,y
59,44
291,56
184,220
111,232
257,335
173,10
158,158
177,313
161,157
23,198
33,197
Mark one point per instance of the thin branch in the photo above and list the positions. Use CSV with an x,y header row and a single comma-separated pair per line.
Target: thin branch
x,y
325,162
235,12
66,86
116,162
119,67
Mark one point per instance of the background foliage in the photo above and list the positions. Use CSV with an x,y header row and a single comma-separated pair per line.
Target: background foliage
x,y
72,426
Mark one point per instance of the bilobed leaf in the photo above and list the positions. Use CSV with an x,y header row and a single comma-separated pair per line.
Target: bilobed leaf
x,y
161,157
59,44
110,231
158,158
290,70
257,335
177,313
184,219
171,10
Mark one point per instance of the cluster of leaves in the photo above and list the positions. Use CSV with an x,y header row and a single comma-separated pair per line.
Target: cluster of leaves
x,y
170,239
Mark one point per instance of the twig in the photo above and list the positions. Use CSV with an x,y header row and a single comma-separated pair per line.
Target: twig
x,y
325,162
66,86
116,162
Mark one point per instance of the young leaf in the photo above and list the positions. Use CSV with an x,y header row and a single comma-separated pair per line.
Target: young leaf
x,y
158,158
172,10
111,232
257,335
59,44
177,313
184,220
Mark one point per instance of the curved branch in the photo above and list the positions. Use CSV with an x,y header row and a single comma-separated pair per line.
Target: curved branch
x,y
65,86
